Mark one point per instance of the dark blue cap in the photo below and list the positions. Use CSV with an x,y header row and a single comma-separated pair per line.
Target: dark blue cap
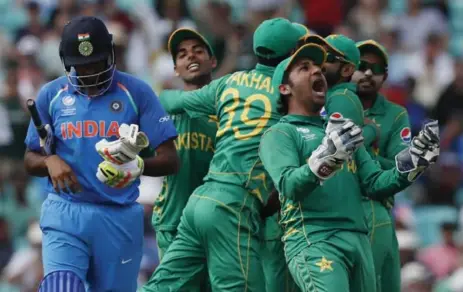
x,y
85,40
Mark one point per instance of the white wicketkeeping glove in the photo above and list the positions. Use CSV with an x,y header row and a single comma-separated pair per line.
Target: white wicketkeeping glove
x,y
131,141
120,175
423,151
334,122
47,143
337,147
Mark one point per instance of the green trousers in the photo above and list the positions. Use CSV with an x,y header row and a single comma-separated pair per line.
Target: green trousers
x,y
164,240
218,232
276,272
384,246
341,263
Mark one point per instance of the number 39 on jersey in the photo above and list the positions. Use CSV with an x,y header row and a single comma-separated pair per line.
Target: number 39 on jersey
x,y
246,110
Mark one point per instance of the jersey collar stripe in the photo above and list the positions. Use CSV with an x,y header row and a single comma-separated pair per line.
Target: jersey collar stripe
x,y
132,102
55,97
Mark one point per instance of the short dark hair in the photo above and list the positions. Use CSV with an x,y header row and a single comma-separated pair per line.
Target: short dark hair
x,y
206,47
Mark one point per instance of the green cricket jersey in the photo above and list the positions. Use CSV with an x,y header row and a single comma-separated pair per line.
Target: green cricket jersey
x,y
395,134
342,99
311,211
245,104
195,147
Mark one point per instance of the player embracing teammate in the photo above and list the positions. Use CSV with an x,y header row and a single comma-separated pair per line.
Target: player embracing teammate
x,y
270,136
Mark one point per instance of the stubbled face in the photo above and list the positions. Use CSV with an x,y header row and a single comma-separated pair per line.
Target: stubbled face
x,y
307,85
370,76
193,60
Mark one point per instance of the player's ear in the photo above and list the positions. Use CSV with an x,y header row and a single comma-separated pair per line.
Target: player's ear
x,y
175,69
347,70
214,62
385,76
284,89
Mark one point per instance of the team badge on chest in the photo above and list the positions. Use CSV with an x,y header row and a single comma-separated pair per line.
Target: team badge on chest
x,y
116,106
69,109
68,100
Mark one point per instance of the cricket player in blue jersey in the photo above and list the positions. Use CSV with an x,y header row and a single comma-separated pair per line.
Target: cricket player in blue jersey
x,y
98,119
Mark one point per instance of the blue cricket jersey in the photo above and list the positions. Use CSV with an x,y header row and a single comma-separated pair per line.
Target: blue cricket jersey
x,y
79,122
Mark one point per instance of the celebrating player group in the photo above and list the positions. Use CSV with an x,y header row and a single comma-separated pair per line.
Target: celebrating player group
x,y
279,178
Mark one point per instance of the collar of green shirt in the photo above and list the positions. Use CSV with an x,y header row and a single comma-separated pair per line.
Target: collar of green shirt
x,y
342,86
267,70
378,107
299,119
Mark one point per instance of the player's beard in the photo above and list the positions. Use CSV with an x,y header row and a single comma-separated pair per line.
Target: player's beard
x,y
332,78
367,94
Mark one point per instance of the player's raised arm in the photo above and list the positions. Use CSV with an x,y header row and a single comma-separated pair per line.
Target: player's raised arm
x,y
409,164
161,132
199,102
279,155
376,182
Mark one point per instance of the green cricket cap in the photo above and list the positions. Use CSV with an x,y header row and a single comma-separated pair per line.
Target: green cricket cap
x,y
303,30
319,40
339,44
346,46
371,46
314,52
276,37
182,34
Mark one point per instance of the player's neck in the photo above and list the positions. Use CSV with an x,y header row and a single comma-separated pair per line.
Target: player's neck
x,y
198,83
301,111
368,101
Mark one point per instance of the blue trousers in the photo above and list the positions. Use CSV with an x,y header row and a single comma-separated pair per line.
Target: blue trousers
x,y
102,244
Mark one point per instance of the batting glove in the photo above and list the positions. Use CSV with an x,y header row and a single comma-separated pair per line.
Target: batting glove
x,y
423,151
120,175
336,148
131,141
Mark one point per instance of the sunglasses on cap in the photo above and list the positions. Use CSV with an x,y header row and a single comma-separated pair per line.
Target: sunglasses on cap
x,y
376,69
332,58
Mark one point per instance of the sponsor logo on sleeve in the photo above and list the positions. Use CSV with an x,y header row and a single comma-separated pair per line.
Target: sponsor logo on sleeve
x,y
406,135
164,119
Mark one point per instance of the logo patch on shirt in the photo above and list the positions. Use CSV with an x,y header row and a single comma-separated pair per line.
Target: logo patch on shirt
x,y
406,135
69,108
306,134
323,113
116,106
164,119
336,115
68,100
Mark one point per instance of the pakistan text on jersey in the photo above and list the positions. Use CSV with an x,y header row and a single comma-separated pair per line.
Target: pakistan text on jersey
x,y
89,129
194,141
252,80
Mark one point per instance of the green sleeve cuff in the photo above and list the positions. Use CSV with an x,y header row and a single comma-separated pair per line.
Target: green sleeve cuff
x,y
299,183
